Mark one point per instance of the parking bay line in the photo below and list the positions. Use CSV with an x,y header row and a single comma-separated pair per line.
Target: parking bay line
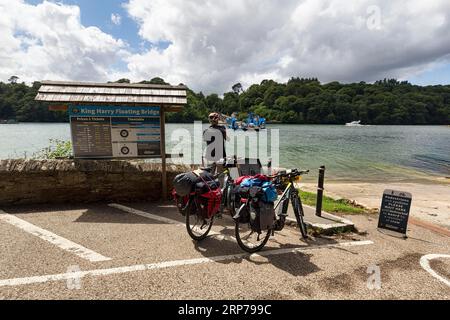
x,y
144,214
54,239
167,264
425,263
147,215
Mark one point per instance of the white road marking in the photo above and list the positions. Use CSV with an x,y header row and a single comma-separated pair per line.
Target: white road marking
x,y
163,265
54,239
144,214
425,263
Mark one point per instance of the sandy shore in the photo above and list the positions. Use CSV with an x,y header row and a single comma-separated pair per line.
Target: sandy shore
x,y
431,202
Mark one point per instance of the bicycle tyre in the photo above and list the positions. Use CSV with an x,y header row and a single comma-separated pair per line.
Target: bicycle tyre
x,y
231,200
192,212
299,214
242,244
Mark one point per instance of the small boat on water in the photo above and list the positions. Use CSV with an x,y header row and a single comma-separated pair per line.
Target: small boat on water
x,y
11,121
354,124
254,122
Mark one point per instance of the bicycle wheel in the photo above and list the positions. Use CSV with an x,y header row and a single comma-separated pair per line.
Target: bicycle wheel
x,y
298,211
232,203
249,240
197,227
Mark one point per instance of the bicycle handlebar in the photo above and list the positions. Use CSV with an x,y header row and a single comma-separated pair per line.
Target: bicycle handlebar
x,y
294,173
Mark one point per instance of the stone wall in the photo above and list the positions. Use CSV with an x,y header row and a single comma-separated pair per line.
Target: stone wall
x,y
78,181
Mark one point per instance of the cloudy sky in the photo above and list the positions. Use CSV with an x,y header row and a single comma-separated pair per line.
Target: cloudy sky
x,y
212,44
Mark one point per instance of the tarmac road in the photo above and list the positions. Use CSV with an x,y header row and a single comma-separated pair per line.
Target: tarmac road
x,y
101,252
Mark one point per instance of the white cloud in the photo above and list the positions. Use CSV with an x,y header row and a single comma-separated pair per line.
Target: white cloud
x,y
47,41
218,43
116,19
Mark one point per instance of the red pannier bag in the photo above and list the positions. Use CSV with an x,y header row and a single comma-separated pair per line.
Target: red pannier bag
x,y
210,203
241,179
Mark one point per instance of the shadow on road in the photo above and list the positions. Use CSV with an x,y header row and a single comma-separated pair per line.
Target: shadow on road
x,y
295,263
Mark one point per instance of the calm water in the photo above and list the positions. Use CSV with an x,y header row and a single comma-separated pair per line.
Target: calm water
x,y
350,153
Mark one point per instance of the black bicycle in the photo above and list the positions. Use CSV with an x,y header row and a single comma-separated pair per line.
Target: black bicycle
x,y
198,223
256,220
286,181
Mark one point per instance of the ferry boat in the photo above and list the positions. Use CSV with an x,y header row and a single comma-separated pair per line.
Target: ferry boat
x,y
254,122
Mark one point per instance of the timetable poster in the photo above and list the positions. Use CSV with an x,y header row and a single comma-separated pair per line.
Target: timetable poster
x,y
115,132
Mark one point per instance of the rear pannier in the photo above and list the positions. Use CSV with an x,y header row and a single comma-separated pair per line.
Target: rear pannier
x,y
201,184
266,215
210,203
185,183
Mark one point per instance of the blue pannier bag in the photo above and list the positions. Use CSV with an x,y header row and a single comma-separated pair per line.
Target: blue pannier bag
x,y
270,193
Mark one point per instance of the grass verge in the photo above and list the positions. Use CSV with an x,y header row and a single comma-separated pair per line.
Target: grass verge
x,y
330,205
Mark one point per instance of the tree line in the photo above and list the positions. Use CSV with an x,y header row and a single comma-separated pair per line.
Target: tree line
x,y
299,101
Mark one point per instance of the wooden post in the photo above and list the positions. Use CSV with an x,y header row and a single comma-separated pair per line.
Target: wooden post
x,y
163,155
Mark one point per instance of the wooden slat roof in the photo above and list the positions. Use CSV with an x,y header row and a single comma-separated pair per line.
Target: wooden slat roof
x,y
113,93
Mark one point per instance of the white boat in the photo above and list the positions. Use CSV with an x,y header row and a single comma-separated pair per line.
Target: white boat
x,y
8,121
354,124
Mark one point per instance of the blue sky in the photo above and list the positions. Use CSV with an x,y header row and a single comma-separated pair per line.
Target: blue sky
x,y
98,13
435,76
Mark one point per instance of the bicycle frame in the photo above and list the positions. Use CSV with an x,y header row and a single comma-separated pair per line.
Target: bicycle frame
x,y
226,190
286,194
289,194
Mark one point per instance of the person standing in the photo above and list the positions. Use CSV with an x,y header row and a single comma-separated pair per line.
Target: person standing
x,y
215,137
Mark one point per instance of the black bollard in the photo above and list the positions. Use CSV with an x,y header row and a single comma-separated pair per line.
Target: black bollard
x,y
320,191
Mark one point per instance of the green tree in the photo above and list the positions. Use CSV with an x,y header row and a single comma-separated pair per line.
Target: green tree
x,y
300,100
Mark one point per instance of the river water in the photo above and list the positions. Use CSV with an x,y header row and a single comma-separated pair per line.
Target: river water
x,y
369,153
